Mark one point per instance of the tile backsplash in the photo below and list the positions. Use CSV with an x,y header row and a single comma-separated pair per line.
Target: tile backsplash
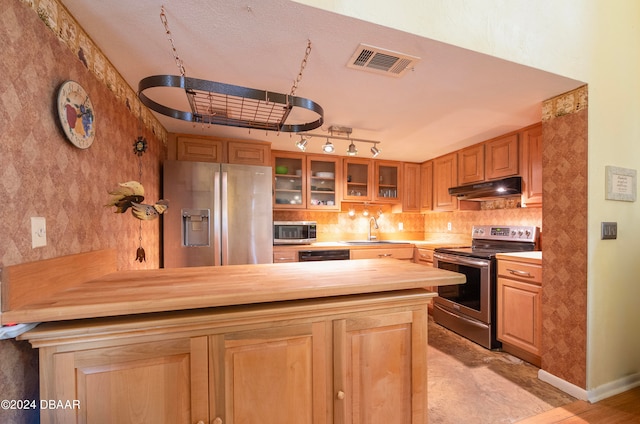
x,y
335,226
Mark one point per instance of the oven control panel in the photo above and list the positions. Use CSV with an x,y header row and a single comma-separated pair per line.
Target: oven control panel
x,y
525,233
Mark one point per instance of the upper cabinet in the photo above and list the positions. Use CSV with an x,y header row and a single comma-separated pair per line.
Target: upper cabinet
x,y
471,164
387,181
357,179
200,149
323,182
501,157
411,192
426,186
289,184
221,150
445,175
306,181
531,163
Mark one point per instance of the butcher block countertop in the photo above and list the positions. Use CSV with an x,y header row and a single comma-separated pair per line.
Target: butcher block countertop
x,y
87,285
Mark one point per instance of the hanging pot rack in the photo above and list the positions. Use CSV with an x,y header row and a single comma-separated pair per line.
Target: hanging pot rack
x,y
225,104
231,105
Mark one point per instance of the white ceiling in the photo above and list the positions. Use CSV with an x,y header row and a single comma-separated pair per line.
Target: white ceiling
x,y
452,98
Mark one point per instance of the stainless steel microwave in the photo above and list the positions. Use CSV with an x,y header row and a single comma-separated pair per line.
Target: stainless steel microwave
x,y
294,232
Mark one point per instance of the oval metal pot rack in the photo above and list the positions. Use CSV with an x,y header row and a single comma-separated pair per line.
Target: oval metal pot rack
x,y
225,104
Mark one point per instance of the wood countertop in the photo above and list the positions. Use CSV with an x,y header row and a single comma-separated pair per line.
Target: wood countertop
x,y
158,290
534,257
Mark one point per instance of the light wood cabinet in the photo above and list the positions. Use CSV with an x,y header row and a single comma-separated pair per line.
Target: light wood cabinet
x,y
531,161
501,157
249,153
281,255
223,150
379,369
161,381
310,182
201,149
426,186
387,181
519,303
323,179
289,180
405,253
411,193
471,164
423,256
344,359
445,175
358,179
270,375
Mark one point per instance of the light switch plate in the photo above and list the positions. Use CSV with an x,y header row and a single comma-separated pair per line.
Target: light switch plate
x,y
38,231
609,231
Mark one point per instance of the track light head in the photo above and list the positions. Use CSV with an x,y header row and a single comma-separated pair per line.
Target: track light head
x,y
375,151
328,147
302,144
352,151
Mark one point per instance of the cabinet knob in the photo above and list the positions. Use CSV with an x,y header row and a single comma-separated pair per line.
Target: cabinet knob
x,y
341,394
218,420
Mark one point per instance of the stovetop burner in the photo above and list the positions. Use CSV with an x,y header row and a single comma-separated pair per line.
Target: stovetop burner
x,y
489,240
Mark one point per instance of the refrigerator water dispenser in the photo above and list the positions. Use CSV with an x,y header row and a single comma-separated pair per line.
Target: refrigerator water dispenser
x,y
195,227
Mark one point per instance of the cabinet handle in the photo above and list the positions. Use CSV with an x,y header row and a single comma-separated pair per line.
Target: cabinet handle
x,y
385,255
218,420
341,394
520,273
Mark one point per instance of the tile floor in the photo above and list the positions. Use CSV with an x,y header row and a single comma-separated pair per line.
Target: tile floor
x,y
468,383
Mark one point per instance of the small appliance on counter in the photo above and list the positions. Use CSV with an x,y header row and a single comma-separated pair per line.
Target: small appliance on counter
x,y
294,232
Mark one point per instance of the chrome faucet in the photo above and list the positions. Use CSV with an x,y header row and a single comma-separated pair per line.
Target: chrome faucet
x,y
372,219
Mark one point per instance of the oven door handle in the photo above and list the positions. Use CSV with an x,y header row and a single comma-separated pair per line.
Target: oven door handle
x,y
461,259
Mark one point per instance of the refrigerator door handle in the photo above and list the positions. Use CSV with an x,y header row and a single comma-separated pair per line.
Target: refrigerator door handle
x,y
216,219
225,219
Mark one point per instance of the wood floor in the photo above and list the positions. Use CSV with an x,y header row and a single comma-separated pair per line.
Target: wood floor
x,y
622,408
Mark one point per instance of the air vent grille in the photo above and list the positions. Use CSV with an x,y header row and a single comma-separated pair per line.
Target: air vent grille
x,y
381,61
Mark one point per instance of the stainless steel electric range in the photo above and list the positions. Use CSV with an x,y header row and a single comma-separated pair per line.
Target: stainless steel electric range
x,y
470,309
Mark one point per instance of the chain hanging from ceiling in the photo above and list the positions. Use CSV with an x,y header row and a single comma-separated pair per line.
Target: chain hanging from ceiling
x,y
230,105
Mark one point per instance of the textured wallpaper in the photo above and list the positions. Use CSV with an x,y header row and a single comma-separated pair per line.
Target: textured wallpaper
x,y
42,174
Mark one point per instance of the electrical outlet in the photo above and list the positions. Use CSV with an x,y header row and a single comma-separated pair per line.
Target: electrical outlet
x,y
448,226
38,231
609,231
400,226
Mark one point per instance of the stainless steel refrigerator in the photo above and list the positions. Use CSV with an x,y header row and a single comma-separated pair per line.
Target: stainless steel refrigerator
x,y
219,214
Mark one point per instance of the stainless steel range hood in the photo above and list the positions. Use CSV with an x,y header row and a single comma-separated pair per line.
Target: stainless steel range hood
x,y
488,190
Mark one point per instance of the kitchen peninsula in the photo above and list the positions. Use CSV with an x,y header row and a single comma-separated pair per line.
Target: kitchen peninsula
x,y
272,343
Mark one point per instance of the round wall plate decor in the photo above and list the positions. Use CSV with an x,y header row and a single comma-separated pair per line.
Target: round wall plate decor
x,y
76,114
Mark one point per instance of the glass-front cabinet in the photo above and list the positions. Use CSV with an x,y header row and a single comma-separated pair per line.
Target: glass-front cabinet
x,y
357,177
323,176
289,170
388,181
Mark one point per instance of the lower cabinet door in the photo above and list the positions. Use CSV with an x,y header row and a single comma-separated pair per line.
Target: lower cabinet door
x,y
270,376
380,369
156,382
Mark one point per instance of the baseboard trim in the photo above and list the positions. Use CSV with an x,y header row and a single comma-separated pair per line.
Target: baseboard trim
x,y
565,386
614,387
594,395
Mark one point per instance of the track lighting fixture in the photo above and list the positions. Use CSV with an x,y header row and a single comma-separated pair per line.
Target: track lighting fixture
x,y
328,147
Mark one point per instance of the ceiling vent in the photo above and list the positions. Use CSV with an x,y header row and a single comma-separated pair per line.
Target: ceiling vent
x,y
381,61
